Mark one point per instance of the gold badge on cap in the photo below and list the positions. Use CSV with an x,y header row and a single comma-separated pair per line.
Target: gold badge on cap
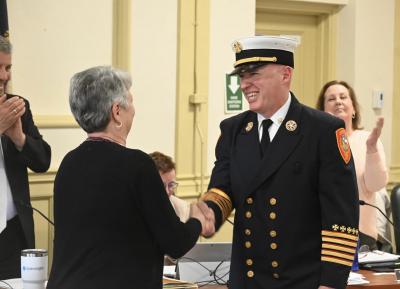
x,y
249,126
237,47
291,125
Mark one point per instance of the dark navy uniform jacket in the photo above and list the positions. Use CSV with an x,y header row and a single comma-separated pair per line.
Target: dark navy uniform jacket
x,y
296,219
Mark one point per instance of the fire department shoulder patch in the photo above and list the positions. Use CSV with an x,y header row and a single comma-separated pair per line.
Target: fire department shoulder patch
x,y
343,144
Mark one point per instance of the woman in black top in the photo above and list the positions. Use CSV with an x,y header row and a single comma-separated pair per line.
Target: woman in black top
x,y
113,220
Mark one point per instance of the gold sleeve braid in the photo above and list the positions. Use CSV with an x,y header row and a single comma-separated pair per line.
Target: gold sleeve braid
x,y
221,199
338,247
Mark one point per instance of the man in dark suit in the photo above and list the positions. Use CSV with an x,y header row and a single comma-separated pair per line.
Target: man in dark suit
x,y
21,147
288,172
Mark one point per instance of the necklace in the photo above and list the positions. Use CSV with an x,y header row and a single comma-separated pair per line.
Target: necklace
x,y
104,139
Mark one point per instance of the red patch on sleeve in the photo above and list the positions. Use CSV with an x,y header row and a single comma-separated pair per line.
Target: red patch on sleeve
x,y
343,144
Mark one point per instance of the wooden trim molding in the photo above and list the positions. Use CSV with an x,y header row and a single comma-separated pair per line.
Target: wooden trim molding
x,y
192,93
326,13
122,34
394,175
42,178
300,6
55,121
190,185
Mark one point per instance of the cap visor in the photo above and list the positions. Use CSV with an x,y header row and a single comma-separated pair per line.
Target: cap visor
x,y
249,67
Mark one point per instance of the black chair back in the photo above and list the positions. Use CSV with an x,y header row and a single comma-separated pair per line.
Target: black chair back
x,y
395,201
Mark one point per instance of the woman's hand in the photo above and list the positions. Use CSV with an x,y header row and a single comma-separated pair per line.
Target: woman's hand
x,y
374,136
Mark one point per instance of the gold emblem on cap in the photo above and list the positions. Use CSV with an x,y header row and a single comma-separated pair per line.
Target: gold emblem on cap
x,y
291,125
249,126
237,47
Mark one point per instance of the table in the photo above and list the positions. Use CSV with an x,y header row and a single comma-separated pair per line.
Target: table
x,y
376,282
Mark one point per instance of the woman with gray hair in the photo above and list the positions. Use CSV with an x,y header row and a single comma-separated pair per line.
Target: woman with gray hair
x,y
105,195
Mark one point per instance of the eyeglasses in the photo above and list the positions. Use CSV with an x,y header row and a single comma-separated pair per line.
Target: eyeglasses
x,y
171,185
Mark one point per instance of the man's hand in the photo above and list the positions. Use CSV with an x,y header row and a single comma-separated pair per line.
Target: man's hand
x,y
16,134
208,213
11,111
325,287
374,136
206,217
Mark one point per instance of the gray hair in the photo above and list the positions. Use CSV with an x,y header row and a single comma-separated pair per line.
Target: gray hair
x,y
93,92
5,45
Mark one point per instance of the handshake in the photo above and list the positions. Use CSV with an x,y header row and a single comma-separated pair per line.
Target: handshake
x,y
206,217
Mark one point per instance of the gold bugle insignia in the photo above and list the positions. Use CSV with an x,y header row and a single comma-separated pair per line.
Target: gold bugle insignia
x,y
249,126
291,125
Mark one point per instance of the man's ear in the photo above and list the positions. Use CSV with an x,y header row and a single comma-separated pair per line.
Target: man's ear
x,y
287,73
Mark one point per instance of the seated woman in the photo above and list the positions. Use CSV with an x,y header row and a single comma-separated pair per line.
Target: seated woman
x,y
113,220
166,167
338,98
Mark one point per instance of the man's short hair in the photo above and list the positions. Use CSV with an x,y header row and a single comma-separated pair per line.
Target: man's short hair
x,y
5,45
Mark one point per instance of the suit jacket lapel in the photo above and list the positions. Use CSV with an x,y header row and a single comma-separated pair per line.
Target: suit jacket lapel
x,y
283,144
246,156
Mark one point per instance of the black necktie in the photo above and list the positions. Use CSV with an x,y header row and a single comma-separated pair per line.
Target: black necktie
x,y
265,136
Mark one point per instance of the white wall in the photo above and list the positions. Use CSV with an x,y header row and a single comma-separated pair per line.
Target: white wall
x,y
365,58
154,44
52,40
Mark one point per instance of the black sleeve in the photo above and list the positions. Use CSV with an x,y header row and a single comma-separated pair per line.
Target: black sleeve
x,y
338,196
36,153
220,181
174,237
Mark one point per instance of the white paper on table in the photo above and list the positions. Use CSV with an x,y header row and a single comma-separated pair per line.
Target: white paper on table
x,y
376,256
356,279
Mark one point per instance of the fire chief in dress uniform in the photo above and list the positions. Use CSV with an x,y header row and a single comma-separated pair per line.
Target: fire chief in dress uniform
x,y
288,172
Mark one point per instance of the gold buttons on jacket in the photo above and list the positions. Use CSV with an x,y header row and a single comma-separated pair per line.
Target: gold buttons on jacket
x,y
275,275
248,214
249,201
274,264
272,216
250,274
272,201
249,262
247,244
274,246
247,232
272,233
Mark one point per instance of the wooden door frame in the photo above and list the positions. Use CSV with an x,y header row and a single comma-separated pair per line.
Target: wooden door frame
x,y
327,28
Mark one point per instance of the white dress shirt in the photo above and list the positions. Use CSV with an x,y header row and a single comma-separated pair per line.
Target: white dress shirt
x,y
277,119
7,207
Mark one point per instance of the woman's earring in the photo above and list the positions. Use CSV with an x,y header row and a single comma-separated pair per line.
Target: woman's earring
x,y
119,125
353,115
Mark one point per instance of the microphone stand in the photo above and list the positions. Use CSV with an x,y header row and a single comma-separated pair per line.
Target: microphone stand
x,y
36,210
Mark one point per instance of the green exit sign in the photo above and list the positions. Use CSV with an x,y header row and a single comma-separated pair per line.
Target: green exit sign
x,y
234,95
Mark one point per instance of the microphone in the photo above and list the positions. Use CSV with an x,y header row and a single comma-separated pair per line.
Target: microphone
x,y
23,204
364,203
